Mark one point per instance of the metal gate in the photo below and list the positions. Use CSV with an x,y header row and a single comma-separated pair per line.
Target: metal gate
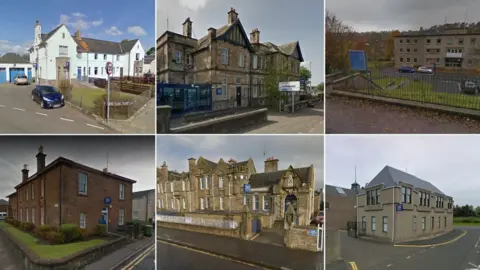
x,y
256,226
356,229
3,75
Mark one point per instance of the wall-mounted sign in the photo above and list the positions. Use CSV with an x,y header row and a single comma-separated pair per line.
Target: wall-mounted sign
x,y
219,91
246,188
399,207
312,232
107,200
289,86
67,65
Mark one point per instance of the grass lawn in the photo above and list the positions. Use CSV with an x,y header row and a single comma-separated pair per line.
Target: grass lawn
x,y
383,82
49,251
466,221
379,64
87,96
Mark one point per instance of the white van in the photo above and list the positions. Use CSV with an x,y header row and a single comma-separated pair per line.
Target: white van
x,y
3,215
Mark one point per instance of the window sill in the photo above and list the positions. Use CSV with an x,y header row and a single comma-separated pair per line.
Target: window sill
x,y
83,194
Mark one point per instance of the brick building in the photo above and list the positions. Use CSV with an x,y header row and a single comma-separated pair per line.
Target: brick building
x,y
210,186
340,205
68,192
227,59
3,206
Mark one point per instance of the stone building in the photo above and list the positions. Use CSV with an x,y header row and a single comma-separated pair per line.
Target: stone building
x,y
223,187
227,59
143,205
396,206
340,205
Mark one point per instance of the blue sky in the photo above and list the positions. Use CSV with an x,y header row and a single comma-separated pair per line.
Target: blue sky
x,y
295,150
279,21
106,19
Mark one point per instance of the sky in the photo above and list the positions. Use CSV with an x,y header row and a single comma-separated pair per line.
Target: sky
x,y
448,162
298,151
112,20
279,22
376,15
129,156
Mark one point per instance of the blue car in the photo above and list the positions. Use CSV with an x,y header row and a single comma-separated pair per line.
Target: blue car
x,y
48,97
406,69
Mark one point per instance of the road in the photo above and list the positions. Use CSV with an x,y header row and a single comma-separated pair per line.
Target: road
x,y
171,257
19,114
144,261
8,259
463,254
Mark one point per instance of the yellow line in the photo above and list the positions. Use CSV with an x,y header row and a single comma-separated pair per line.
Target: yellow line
x,y
353,265
139,258
211,254
435,245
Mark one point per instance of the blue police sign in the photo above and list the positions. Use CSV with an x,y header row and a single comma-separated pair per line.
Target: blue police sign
x,y
312,232
219,91
399,207
67,65
107,200
246,188
358,60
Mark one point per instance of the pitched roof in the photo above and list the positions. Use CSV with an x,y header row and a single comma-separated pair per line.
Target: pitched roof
x,y
391,177
273,178
105,46
149,59
220,33
287,49
12,58
143,193
3,202
339,191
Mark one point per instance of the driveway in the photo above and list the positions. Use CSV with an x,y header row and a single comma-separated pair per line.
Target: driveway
x,y
19,114
8,259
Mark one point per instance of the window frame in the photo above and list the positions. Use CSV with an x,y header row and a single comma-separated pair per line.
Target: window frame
x,y
84,220
86,183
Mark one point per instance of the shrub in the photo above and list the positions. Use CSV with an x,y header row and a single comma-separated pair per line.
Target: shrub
x,y
83,233
16,223
29,226
54,237
100,230
70,233
9,220
42,230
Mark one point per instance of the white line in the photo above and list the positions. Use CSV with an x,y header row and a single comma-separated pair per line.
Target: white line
x,y
408,257
90,125
476,245
39,113
66,119
2,106
389,265
18,109
472,264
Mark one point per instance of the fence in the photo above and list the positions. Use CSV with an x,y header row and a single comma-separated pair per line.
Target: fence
x,y
213,223
450,89
320,238
147,79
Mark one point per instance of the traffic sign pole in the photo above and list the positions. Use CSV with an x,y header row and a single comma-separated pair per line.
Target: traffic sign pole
x,y
109,69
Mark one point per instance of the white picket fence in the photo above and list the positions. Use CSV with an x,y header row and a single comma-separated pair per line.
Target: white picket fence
x,y
205,222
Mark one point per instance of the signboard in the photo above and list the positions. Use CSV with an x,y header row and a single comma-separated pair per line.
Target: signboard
x,y
109,68
107,200
35,65
289,86
302,81
399,207
312,232
219,91
358,60
246,188
67,65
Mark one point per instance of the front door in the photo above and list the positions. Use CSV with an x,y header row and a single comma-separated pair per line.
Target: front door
x,y
79,73
239,96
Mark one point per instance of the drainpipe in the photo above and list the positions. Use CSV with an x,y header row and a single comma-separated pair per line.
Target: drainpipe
x,y
393,215
46,63
60,182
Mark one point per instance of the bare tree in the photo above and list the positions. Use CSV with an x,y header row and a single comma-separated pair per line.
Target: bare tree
x,y
339,39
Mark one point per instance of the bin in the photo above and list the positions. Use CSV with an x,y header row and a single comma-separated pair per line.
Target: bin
x,y
147,230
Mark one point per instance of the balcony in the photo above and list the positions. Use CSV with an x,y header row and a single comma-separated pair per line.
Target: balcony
x,y
454,55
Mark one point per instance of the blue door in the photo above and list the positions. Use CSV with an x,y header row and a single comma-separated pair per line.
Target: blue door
x,y
29,74
14,72
256,225
79,73
3,75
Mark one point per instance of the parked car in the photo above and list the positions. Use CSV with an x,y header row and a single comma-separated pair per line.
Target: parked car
x,y
406,69
3,215
425,70
470,87
319,219
21,79
48,97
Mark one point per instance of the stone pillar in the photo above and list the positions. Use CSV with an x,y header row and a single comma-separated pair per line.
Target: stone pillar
x,y
163,119
332,246
246,224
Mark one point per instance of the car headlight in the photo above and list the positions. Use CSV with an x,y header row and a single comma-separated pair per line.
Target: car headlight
x,y
46,99
62,97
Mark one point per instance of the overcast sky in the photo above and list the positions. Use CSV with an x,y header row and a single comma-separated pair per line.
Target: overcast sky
x,y
297,150
279,21
451,163
376,15
129,156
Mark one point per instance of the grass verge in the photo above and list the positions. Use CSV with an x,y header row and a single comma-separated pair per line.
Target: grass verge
x,y
466,221
87,96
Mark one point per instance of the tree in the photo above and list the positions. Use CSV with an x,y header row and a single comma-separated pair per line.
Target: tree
x,y
320,87
391,44
305,73
339,39
275,74
125,40
151,51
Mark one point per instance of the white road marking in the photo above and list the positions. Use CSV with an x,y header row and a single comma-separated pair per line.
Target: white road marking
x,y
18,109
473,265
408,257
476,245
39,113
90,125
66,119
389,265
2,106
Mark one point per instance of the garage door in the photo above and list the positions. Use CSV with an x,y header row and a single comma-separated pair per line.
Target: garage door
x,y
16,71
3,75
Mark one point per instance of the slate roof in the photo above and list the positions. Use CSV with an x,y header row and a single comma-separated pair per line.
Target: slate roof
x,y
273,178
390,177
143,193
333,191
3,202
12,58
148,59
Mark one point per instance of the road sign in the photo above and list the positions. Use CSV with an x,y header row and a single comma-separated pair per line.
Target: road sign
x,y
358,60
246,188
312,232
302,81
289,86
109,68
67,65
219,91
35,65
107,200
399,207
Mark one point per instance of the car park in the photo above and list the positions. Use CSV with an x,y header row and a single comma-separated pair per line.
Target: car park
x,y
406,69
48,96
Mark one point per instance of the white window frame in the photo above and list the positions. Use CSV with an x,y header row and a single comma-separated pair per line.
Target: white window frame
x,y
374,223
27,214
207,202
171,186
255,61
364,223
42,216
33,215
183,185
121,216
86,183
241,60
385,224
424,223
172,204
220,182
241,177
83,220
220,201
202,204
414,223
245,199
201,182
42,190
122,191
224,56
206,182
184,203
33,191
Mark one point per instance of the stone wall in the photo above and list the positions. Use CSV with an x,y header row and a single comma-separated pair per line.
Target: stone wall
x,y
299,238
332,246
163,119
201,229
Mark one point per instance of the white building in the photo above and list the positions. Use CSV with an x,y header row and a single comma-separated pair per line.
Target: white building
x,y
59,55
11,65
149,66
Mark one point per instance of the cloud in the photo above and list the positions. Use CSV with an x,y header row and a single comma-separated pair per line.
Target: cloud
x,y
78,14
137,31
193,4
10,47
113,31
79,21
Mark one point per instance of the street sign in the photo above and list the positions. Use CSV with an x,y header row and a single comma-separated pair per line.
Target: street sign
x,y
399,207
109,68
107,200
312,232
358,60
246,188
219,91
35,65
67,65
289,86
302,81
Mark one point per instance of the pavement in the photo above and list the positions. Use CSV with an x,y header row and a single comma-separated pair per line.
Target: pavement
x,y
463,253
361,116
8,259
19,114
251,253
143,122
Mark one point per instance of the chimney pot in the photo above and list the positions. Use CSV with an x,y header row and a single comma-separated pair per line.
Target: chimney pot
x,y
187,28
40,159
25,173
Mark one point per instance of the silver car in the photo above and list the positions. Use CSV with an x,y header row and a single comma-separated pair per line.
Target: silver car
x,y
470,87
20,79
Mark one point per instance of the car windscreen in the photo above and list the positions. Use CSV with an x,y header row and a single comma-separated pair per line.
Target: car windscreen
x,y
22,77
47,90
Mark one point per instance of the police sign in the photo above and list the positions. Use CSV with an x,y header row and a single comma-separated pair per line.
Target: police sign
x,y
109,68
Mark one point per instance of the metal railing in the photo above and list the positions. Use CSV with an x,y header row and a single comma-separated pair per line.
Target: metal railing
x,y
320,238
450,89
204,222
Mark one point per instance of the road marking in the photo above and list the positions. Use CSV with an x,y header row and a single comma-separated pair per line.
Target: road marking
x,y
434,245
66,119
389,265
476,244
2,106
353,265
18,109
472,264
39,113
215,255
90,125
408,257
139,258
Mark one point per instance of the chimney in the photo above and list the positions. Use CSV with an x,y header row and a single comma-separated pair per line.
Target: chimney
x,y
25,173
105,170
255,36
212,33
187,28
232,16
232,161
40,159
271,165
38,33
77,35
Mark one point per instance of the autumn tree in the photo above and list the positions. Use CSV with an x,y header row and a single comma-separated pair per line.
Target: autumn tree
x,y
390,44
339,39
